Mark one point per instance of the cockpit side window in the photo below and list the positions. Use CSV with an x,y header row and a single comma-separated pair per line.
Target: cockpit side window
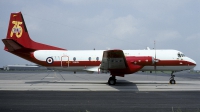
x,y
179,55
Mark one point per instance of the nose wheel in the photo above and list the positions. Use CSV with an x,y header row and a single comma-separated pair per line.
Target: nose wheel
x,y
172,80
112,80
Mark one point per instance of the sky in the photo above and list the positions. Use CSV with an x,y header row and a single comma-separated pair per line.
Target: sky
x,y
107,24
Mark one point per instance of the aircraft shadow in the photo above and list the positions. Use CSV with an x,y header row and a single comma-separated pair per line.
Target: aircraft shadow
x,y
119,82
121,85
55,82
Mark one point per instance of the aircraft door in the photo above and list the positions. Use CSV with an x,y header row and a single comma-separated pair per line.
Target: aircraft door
x,y
64,61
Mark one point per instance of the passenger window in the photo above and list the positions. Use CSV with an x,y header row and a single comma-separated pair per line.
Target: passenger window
x,y
89,58
74,58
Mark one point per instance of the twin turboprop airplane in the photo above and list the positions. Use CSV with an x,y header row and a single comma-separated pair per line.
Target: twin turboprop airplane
x,y
117,62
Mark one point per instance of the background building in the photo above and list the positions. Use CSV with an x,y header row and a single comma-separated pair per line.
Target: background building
x,y
23,67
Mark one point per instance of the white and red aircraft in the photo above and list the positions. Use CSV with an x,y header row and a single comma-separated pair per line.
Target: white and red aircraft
x,y
117,62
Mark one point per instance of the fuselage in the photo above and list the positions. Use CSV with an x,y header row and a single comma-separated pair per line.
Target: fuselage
x,y
169,60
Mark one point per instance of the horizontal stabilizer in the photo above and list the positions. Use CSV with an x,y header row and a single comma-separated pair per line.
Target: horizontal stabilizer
x,y
11,45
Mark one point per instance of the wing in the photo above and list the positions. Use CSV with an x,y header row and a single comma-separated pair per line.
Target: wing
x,y
92,69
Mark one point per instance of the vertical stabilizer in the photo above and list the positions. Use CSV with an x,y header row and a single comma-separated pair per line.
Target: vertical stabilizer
x,y
17,30
18,38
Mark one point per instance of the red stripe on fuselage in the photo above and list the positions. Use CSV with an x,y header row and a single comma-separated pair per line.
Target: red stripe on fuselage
x,y
72,63
174,63
97,63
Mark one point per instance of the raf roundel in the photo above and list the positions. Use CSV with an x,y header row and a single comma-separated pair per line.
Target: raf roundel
x,y
49,60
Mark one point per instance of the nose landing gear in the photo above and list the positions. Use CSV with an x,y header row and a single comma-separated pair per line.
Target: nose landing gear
x,y
172,80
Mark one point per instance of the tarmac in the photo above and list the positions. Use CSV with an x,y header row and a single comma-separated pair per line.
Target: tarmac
x,y
67,81
84,92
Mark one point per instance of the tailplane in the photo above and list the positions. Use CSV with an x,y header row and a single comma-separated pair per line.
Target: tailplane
x,y
18,38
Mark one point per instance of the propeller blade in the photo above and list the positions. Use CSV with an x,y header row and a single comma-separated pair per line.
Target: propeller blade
x,y
155,60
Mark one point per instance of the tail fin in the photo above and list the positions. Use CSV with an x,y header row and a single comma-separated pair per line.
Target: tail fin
x,y
17,36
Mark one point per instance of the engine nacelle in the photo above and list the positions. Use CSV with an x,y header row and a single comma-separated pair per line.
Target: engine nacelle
x,y
118,64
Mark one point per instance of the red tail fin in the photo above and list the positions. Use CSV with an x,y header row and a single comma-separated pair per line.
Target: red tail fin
x,y
18,33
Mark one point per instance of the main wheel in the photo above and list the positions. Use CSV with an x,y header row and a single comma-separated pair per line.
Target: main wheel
x,y
111,81
172,82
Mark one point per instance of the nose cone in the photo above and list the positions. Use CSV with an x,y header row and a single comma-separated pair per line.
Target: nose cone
x,y
191,62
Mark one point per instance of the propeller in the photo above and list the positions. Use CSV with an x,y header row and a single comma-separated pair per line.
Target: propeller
x,y
155,60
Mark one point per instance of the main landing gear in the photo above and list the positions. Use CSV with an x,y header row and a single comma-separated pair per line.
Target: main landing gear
x,y
112,80
171,80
